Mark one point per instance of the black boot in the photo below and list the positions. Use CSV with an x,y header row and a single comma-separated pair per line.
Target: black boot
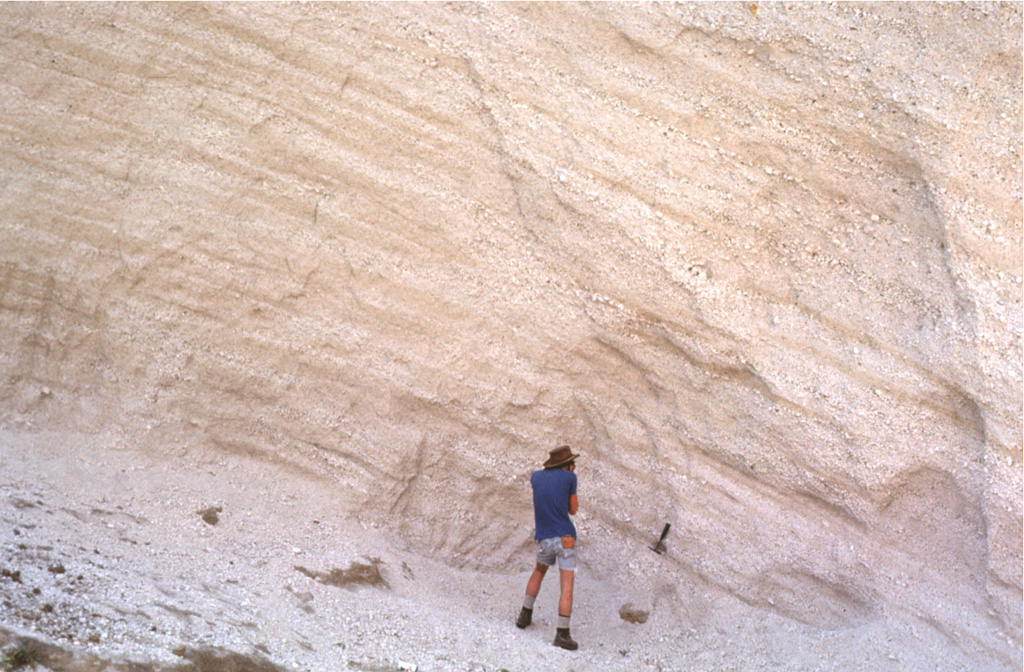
x,y
565,640
525,618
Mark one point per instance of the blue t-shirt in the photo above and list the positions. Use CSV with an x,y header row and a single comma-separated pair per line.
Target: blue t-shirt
x,y
552,489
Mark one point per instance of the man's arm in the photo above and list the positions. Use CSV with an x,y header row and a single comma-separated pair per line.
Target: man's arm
x,y
573,505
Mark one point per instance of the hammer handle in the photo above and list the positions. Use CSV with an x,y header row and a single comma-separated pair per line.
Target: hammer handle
x,y
664,533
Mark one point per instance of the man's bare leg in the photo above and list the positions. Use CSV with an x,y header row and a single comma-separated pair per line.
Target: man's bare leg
x,y
566,577
533,585
532,589
562,636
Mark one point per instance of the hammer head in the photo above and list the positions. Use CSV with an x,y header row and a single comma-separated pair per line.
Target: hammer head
x,y
660,547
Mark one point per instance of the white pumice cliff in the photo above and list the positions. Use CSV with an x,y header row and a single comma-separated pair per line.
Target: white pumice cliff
x,y
342,274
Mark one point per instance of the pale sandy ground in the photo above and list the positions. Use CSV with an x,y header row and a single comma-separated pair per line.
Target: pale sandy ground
x,y
144,575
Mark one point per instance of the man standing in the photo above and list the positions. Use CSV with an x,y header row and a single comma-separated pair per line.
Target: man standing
x,y
554,500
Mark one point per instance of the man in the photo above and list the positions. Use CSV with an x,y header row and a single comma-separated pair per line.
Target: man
x,y
554,500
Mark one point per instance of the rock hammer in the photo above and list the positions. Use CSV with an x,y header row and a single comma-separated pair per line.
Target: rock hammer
x,y
659,547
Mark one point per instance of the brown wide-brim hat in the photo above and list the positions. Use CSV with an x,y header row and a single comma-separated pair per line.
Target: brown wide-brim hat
x,y
559,456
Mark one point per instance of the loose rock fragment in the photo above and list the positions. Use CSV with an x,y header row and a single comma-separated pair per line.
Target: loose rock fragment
x,y
358,573
632,614
211,515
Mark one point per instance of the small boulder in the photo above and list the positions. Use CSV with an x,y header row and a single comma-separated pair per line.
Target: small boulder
x,y
632,614
211,515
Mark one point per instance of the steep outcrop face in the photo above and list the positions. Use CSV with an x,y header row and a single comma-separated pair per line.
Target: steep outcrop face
x,y
760,264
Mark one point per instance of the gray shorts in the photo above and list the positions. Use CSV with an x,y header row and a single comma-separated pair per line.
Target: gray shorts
x,y
551,548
